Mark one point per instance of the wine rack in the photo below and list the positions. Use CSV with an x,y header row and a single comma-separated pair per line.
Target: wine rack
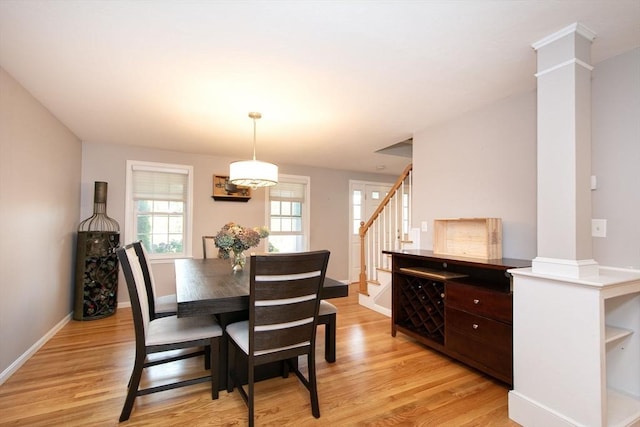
x,y
421,306
459,306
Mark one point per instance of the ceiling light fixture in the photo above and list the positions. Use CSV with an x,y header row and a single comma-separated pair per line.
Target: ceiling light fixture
x,y
253,173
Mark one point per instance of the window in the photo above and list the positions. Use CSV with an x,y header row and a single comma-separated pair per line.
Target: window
x,y
158,208
356,207
288,214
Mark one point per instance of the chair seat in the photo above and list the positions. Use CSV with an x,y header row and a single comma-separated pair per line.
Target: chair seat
x,y
166,304
326,308
172,329
239,332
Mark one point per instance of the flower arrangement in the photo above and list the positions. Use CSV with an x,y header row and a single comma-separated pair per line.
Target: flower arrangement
x,y
234,238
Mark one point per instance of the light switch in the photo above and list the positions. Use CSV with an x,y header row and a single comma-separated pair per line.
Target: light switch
x,y
599,227
424,226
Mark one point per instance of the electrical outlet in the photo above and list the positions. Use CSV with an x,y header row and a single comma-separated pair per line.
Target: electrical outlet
x,y
599,227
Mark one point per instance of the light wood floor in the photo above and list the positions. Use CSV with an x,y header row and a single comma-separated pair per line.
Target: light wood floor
x,y
79,378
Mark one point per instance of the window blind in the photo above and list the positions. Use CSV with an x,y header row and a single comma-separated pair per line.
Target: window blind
x,y
287,190
156,185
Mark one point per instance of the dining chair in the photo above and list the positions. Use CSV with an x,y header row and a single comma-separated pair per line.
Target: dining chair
x,y
163,306
163,334
327,317
207,241
166,305
284,298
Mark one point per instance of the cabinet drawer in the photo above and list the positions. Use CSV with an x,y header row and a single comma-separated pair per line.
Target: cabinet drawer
x,y
480,301
486,341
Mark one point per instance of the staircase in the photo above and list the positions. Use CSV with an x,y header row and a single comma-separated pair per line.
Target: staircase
x,y
386,230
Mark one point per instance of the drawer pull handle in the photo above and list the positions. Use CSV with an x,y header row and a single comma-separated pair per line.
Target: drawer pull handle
x,y
475,326
476,301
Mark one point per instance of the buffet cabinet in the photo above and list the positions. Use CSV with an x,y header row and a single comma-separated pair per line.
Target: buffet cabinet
x,y
459,306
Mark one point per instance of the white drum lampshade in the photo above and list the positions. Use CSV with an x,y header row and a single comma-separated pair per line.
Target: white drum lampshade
x,y
253,173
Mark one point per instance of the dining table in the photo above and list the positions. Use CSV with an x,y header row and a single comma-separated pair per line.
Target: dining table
x,y
209,286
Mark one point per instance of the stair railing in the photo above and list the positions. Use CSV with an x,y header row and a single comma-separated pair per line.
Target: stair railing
x,y
384,230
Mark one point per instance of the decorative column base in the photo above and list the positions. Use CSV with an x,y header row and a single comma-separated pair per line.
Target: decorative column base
x,y
569,268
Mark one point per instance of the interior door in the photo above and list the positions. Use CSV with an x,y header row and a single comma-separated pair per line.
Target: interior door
x,y
365,197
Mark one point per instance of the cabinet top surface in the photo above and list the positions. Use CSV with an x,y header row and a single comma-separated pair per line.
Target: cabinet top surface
x,y
429,255
606,277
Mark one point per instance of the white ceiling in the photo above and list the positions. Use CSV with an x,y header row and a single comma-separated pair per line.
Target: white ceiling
x,y
334,80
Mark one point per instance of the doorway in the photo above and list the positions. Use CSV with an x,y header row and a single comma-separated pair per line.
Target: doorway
x,y
364,199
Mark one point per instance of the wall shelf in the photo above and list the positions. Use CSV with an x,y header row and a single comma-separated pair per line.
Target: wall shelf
x,y
623,409
223,190
613,334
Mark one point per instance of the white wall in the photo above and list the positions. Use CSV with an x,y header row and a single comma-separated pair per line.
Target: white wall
x,y
616,159
481,164
39,206
329,201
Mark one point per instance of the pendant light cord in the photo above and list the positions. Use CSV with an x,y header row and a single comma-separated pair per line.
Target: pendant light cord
x,y
254,139
254,116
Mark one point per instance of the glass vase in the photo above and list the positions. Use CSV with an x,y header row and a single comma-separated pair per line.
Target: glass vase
x,y
238,260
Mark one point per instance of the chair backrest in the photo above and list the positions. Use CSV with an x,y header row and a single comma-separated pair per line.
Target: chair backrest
x,y
132,271
147,274
284,299
207,242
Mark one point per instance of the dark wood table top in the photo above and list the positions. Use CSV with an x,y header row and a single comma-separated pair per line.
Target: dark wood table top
x,y
208,286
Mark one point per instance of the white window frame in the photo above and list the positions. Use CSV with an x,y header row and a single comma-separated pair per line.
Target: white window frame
x,y
130,220
306,207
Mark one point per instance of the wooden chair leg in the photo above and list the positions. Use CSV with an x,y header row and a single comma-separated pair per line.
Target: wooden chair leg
x,y
214,351
330,340
329,322
207,357
134,383
250,387
231,366
313,388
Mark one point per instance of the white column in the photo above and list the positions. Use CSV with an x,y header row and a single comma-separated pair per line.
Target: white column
x,y
564,154
576,326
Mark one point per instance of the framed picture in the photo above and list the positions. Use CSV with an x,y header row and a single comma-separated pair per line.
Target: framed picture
x,y
225,191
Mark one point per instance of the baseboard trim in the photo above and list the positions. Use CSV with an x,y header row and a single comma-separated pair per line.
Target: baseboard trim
x,y
528,412
33,349
381,310
367,302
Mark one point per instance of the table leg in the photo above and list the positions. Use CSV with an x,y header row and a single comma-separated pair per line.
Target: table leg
x,y
225,319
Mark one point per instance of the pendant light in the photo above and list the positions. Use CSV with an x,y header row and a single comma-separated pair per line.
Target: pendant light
x,y
253,173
